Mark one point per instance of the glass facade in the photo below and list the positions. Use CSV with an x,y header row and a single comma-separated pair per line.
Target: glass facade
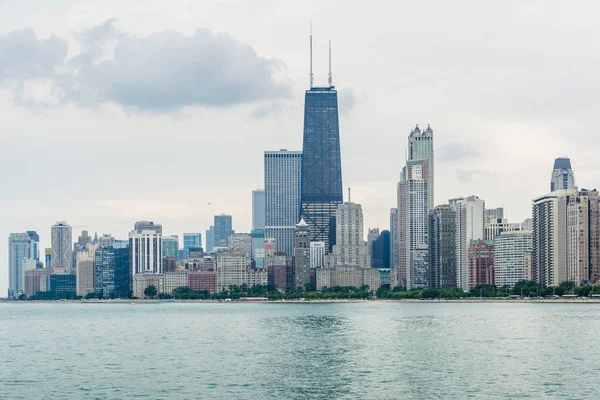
x,y
112,272
321,164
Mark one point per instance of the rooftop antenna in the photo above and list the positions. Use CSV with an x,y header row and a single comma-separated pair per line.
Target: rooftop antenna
x,y
311,73
330,77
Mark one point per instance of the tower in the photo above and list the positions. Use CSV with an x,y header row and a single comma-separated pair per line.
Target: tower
x,y
321,162
62,251
562,175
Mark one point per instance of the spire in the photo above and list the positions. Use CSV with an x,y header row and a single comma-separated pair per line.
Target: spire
x,y
311,72
330,79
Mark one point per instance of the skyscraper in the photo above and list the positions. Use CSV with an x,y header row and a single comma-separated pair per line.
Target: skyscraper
x,y
510,252
112,272
470,219
147,226
170,246
321,163
282,197
258,209
394,239
562,175
480,263
62,251
210,239
223,229
442,247
193,239
20,248
146,252
301,260
415,200
350,248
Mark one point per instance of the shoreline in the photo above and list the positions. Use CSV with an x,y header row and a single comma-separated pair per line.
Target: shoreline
x,y
425,301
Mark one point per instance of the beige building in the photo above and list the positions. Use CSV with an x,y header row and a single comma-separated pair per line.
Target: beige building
x,y
174,280
350,247
231,268
583,225
35,280
142,281
257,277
85,271
347,276
528,275
494,228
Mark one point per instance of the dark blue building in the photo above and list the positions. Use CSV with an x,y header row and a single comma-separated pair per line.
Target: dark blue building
x,y
322,191
62,283
113,272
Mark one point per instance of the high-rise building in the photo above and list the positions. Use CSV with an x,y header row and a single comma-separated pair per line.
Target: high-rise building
x,y
85,270
223,229
549,254
301,260
210,239
583,241
242,242
494,214
231,269
282,197
481,263
510,252
350,248
380,251
280,271
62,251
442,247
317,254
470,219
527,224
494,227
48,257
193,239
21,247
147,226
84,239
258,209
562,175
170,246
322,191
35,245
394,239
257,237
415,200
146,252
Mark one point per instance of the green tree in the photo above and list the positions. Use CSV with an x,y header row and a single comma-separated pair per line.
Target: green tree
x,y
150,291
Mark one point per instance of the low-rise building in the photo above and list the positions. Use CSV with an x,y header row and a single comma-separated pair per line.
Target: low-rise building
x,y
203,280
142,281
348,276
174,280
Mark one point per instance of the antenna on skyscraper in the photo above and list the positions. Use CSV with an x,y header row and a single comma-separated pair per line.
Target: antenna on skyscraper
x,y
311,73
330,76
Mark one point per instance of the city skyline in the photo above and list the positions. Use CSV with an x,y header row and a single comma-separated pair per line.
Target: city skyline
x,y
373,140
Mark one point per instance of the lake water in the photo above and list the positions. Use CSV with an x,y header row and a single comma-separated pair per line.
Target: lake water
x,y
299,351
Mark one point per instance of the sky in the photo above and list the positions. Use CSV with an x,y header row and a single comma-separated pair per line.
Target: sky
x,y
113,112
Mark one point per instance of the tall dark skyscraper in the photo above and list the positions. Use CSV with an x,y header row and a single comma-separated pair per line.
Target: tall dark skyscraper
x,y
322,191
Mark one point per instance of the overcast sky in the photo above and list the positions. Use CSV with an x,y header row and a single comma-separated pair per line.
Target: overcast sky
x,y
115,111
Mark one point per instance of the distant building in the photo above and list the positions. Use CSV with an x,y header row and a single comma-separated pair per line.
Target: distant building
x,y
34,279
372,236
481,263
470,218
347,276
317,254
112,271
350,247
301,260
141,226
510,249
62,283
169,264
583,237
528,276
84,239
203,280
394,239
257,277
282,197
21,247
210,239
48,257
258,209
381,251
527,224
170,246
193,239
174,280
85,270
442,247
62,251
242,242
146,252
257,237
494,214
231,269
494,227
223,229
562,175
280,271
143,281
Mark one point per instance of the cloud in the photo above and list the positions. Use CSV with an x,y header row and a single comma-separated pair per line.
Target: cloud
x,y
162,72
267,110
348,98
25,57
464,175
455,152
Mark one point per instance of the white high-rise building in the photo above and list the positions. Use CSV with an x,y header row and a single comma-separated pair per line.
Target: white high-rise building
x,y
350,248
549,254
21,247
415,199
470,219
146,252
62,246
258,209
317,254
494,227
283,171
562,175
511,249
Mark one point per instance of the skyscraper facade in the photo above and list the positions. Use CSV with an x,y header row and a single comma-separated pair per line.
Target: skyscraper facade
x,y
562,175
257,237
442,247
350,248
223,229
20,248
510,250
301,260
322,190
147,226
380,251
210,239
146,252
170,246
394,239
193,239
470,219
62,242
415,200
282,197
258,209
480,263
